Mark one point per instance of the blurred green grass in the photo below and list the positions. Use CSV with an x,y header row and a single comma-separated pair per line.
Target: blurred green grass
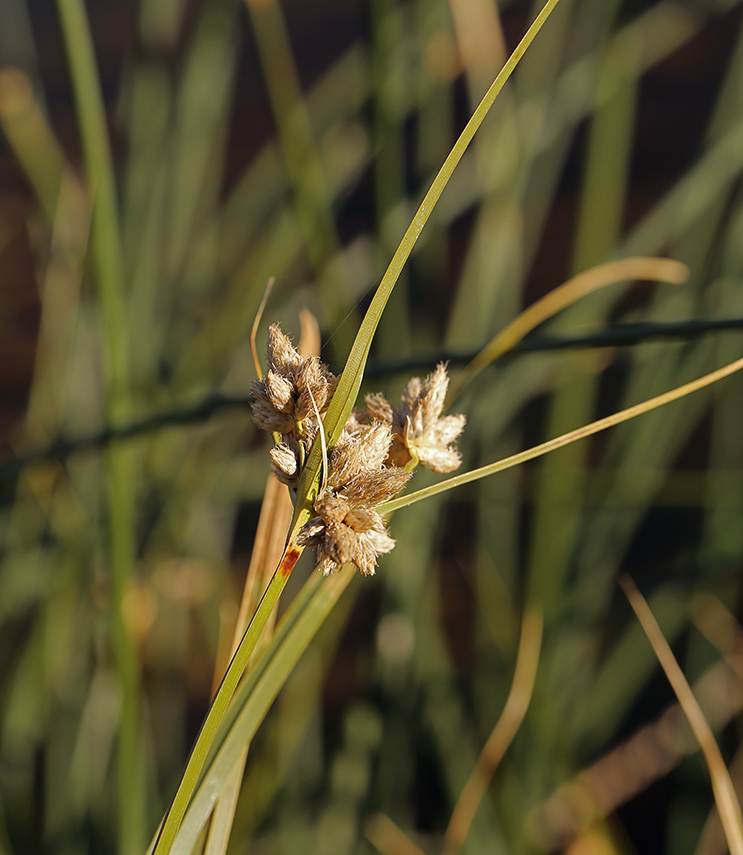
x,y
392,702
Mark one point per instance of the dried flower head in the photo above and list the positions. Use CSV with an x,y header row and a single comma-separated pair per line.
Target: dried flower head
x,y
283,399
364,468
418,430
348,528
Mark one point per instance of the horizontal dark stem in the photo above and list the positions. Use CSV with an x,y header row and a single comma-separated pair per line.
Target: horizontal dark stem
x,y
61,448
621,335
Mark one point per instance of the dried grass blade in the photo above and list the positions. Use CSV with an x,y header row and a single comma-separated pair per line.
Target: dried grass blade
x,y
630,767
722,786
256,322
611,273
720,628
388,838
503,733
565,439
107,259
712,839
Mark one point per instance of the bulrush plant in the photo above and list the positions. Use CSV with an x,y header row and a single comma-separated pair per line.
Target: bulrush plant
x,y
342,464
346,468
318,517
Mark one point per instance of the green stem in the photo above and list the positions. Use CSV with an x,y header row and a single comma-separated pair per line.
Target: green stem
x,y
561,441
224,695
347,391
106,237
108,265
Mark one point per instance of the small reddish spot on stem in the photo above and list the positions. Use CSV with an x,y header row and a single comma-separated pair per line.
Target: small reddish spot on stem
x,y
289,559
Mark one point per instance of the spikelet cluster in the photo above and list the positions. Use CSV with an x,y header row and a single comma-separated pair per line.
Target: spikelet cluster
x,y
347,526
419,433
289,399
370,463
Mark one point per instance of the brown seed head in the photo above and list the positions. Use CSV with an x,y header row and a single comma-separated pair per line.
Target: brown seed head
x,y
343,534
311,384
265,415
282,356
357,454
417,427
348,527
279,391
285,464
284,398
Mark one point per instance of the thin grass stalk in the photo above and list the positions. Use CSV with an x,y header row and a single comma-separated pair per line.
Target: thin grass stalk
x,y
59,311
712,838
724,792
106,237
503,733
230,320
389,37
601,276
148,114
565,439
388,837
691,197
109,269
719,626
31,138
489,283
195,150
435,129
480,41
46,403
723,538
535,92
